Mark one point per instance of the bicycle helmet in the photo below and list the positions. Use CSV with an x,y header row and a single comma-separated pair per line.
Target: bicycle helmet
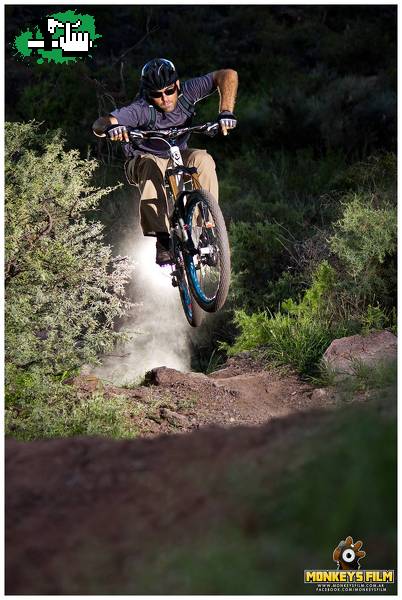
x,y
157,74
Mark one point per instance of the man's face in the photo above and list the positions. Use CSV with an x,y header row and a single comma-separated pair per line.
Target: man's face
x,y
167,102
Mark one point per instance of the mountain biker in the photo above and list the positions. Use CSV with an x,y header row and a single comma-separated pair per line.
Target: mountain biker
x,y
164,102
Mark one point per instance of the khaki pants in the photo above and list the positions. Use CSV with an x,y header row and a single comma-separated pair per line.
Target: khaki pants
x,y
147,172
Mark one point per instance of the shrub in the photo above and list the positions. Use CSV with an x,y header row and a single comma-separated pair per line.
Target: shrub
x,y
364,239
61,411
257,259
64,289
299,333
257,185
365,235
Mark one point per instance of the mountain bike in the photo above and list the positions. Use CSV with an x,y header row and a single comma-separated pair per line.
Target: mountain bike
x,y
199,245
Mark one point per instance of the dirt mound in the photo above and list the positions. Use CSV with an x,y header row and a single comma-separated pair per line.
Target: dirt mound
x,y
243,392
66,499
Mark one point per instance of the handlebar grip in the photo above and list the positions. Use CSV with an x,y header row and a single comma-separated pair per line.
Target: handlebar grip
x,y
210,129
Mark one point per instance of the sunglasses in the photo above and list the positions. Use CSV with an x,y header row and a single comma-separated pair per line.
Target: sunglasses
x,y
168,92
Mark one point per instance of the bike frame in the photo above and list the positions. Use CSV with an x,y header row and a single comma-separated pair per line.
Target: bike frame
x,y
176,188
174,174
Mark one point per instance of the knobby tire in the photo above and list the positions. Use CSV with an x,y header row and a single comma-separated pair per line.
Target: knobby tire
x,y
216,302
194,313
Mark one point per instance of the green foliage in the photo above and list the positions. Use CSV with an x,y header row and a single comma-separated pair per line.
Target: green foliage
x,y
299,343
376,175
270,211
365,235
253,331
364,242
372,380
316,302
53,97
357,104
379,377
64,289
58,410
352,290
257,255
374,319
299,333
280,187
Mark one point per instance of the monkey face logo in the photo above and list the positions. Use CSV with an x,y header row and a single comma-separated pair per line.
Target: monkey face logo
x,y
348,554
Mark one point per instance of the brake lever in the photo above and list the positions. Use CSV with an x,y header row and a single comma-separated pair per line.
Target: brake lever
x,y
212,130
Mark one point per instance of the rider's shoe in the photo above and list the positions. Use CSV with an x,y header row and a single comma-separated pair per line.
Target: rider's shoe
x,y
163,256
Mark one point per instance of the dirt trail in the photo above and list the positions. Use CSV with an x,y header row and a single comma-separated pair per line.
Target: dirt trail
x,y
69,500
242,393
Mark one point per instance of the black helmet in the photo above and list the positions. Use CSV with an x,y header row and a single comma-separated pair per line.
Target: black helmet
x,y
157,74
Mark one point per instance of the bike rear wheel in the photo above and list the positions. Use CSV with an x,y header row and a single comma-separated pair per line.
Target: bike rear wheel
x,y
208,261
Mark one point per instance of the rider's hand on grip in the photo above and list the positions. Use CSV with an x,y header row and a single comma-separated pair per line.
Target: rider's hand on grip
x,y
117,133
227,120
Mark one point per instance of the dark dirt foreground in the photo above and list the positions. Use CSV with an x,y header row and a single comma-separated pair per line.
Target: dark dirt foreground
x,y
66,499
80,513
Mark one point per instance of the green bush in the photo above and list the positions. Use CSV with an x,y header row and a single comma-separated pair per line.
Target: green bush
x,y
353,289
257,185
272,211
363,240
376,175
61,411
375,318
299,333
365,235
257,258
64,289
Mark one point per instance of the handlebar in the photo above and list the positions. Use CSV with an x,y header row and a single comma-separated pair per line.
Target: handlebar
x,y
209,129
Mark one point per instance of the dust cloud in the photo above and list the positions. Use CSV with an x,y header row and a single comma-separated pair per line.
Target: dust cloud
x,y
159,330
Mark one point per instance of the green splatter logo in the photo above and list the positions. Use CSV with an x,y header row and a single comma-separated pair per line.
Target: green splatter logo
x,y
60,37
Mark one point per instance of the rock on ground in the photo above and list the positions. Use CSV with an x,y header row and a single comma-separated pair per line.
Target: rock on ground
x,y
343,354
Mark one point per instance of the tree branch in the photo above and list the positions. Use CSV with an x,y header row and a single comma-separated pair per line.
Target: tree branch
x,y
45,231
11,267
144,37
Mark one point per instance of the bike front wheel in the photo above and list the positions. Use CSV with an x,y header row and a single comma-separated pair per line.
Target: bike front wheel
x,y
193,312
207,261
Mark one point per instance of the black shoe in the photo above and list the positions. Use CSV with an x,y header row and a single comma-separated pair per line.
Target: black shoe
x,y
162,254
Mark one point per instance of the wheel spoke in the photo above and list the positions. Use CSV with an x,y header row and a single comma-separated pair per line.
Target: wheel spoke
x,y
206,261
